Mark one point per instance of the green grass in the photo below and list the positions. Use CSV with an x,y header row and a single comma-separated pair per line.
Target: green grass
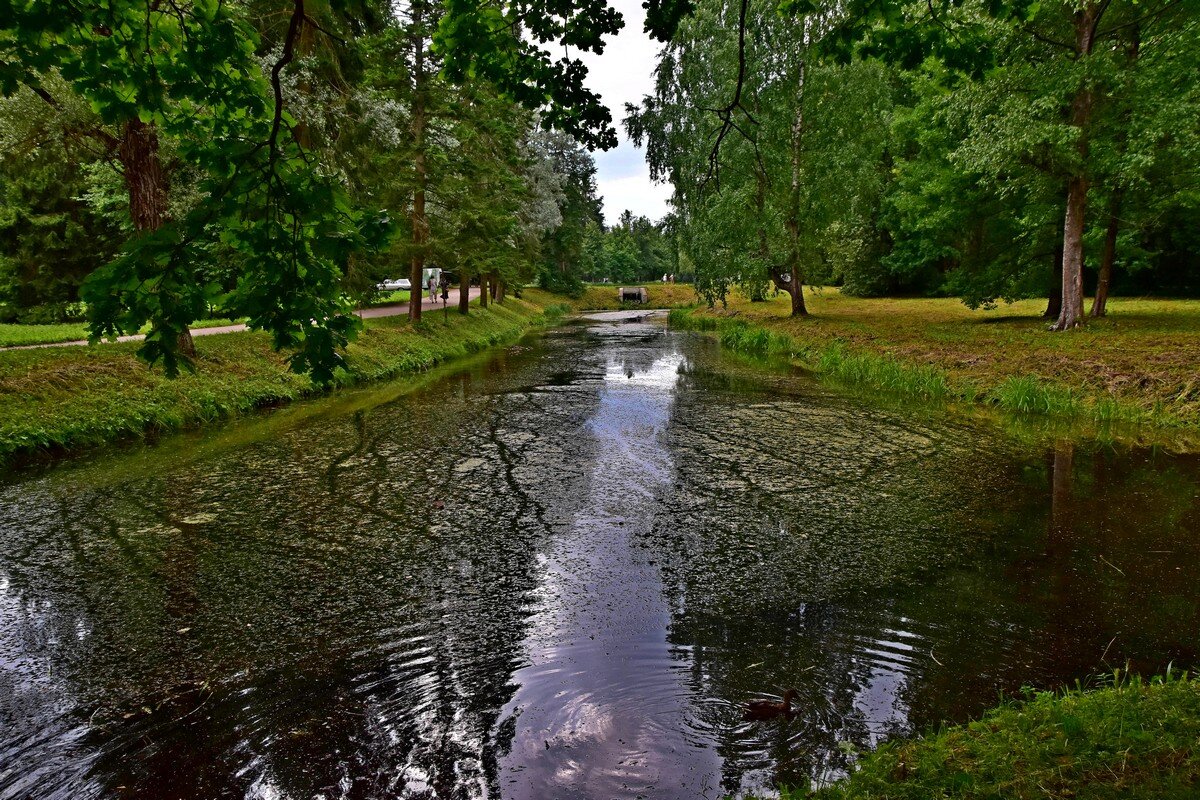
x,y
390,298
834,361
882,372
15,335
1134,740
603,297
70,397
1136,367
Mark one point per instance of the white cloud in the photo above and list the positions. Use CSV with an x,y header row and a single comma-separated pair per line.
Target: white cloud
x,y
636,193
624,73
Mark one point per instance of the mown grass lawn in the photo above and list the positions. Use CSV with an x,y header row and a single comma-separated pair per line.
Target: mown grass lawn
x,y
15,335
1145,355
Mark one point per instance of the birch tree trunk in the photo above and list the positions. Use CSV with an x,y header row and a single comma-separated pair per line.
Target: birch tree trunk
x,y
420,222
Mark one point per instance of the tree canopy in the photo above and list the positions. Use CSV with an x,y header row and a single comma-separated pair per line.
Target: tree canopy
x,y
273,159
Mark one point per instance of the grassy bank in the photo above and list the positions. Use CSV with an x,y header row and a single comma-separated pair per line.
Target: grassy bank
x,y
1133,740
604,297
70,397
1136,366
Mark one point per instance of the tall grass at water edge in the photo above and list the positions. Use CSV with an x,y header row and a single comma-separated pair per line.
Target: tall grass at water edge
x,y
833,361
1021,395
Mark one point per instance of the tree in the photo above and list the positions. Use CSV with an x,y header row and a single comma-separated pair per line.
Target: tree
x,y
775,157
565,254
52,234
189,73
189,76
1049,83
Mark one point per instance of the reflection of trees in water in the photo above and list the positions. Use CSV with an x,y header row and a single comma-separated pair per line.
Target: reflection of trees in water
x,y
787,514
341,632
898,576
348,633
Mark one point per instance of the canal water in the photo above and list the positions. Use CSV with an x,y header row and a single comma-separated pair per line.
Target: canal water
x,y
560,571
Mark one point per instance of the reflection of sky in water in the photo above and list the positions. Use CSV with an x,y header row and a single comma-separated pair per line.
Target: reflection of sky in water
x,y
603,698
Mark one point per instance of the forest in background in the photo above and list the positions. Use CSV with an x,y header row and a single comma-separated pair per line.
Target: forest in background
x,y
932,149
468,179
274,160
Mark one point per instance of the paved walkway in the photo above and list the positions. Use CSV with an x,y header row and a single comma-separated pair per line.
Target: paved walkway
x,y
397,310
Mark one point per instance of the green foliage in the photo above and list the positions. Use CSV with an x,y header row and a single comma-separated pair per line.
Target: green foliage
x,y
51,236
567,249
479,41
794,184
1131,739
940,167
269,138
70,397
190,73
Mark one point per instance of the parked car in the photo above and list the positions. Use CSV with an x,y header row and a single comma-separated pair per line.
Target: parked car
x,y
394,284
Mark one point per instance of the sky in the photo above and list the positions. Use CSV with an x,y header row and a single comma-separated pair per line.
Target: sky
x,y
624,74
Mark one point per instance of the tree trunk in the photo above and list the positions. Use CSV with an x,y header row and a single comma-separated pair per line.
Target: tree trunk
x,y
1054,305
797,293
420,223
147,186
138,153
464,293
795,282
1107,259
483,290
1071,314
501,289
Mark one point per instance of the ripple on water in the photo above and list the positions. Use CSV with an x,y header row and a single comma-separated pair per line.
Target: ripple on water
x,y
562,572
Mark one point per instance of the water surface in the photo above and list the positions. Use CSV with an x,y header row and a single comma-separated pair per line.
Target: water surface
x,y
560,572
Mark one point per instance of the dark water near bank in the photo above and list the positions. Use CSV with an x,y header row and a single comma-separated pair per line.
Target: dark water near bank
x,y
560,573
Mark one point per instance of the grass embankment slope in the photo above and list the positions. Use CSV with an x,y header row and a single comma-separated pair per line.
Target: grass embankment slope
x,y
604,297
1133,740
67,397
1140,364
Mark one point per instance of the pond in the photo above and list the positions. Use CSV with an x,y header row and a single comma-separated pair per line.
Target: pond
x,y
561,570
